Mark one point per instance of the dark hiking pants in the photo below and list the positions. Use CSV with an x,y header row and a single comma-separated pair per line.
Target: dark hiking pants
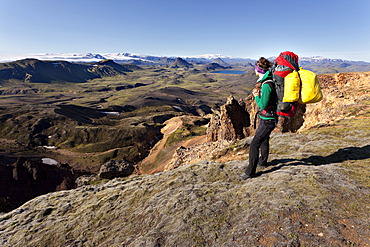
x,y
259,143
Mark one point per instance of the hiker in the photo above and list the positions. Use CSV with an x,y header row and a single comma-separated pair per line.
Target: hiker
x,y
265,97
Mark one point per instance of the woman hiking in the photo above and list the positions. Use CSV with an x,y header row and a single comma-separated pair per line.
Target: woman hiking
x,y
265,98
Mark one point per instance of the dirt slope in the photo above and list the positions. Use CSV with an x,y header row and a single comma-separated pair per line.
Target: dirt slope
x,y
170,126
157,160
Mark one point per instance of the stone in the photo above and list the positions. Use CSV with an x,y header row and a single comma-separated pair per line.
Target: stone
x,y
114,168
85,180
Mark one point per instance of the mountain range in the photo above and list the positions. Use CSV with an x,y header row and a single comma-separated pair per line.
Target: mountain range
x,y
34,70
317,64
207,58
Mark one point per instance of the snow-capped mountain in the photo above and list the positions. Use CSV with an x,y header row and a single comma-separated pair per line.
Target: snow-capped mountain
x,y
124,56
74,57
319,59
91,57
71,57
209,56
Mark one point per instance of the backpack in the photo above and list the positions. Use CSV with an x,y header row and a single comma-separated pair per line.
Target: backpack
x,y
293,84
310,87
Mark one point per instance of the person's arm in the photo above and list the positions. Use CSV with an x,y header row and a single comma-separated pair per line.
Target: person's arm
x,y
262,100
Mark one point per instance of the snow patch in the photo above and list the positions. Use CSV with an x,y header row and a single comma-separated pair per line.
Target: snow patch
x,y
210,56
49,147
110,113
177,108
49,161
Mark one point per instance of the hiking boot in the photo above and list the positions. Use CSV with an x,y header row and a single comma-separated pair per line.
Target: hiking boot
x,y
244,176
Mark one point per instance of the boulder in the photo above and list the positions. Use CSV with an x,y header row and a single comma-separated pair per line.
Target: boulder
x,y
114,168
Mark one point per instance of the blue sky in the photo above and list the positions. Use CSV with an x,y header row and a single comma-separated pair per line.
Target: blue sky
x,y
240,28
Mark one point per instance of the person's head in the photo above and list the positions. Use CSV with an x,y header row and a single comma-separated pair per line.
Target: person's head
x,y
262,66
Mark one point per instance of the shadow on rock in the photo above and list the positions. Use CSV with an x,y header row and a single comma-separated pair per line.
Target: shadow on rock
x,y
343,154
28,178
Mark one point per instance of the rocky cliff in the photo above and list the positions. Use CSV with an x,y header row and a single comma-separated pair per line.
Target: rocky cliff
x,y
314,193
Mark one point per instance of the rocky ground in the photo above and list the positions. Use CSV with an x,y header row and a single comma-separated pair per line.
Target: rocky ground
x,y
314,193
316,201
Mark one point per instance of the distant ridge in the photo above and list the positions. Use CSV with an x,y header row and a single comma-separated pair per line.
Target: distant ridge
x,y
317,64
220,62
116,66
166,60
180,63
215,66
34,70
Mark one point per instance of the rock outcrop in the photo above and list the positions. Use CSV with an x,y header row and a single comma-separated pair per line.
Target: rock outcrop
x,y
230,123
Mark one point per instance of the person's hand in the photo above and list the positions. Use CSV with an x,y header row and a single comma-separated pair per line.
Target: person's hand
x,y
255,92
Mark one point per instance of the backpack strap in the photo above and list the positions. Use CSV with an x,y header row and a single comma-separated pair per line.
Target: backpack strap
x,y
270,111
273,97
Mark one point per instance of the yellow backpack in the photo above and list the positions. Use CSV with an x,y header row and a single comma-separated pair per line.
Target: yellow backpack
x,y
302,87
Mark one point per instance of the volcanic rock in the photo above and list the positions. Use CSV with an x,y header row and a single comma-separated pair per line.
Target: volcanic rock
x,y
113,169
165,60
230,123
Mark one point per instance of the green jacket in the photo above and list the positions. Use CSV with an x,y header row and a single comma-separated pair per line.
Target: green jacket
x,y
263,100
